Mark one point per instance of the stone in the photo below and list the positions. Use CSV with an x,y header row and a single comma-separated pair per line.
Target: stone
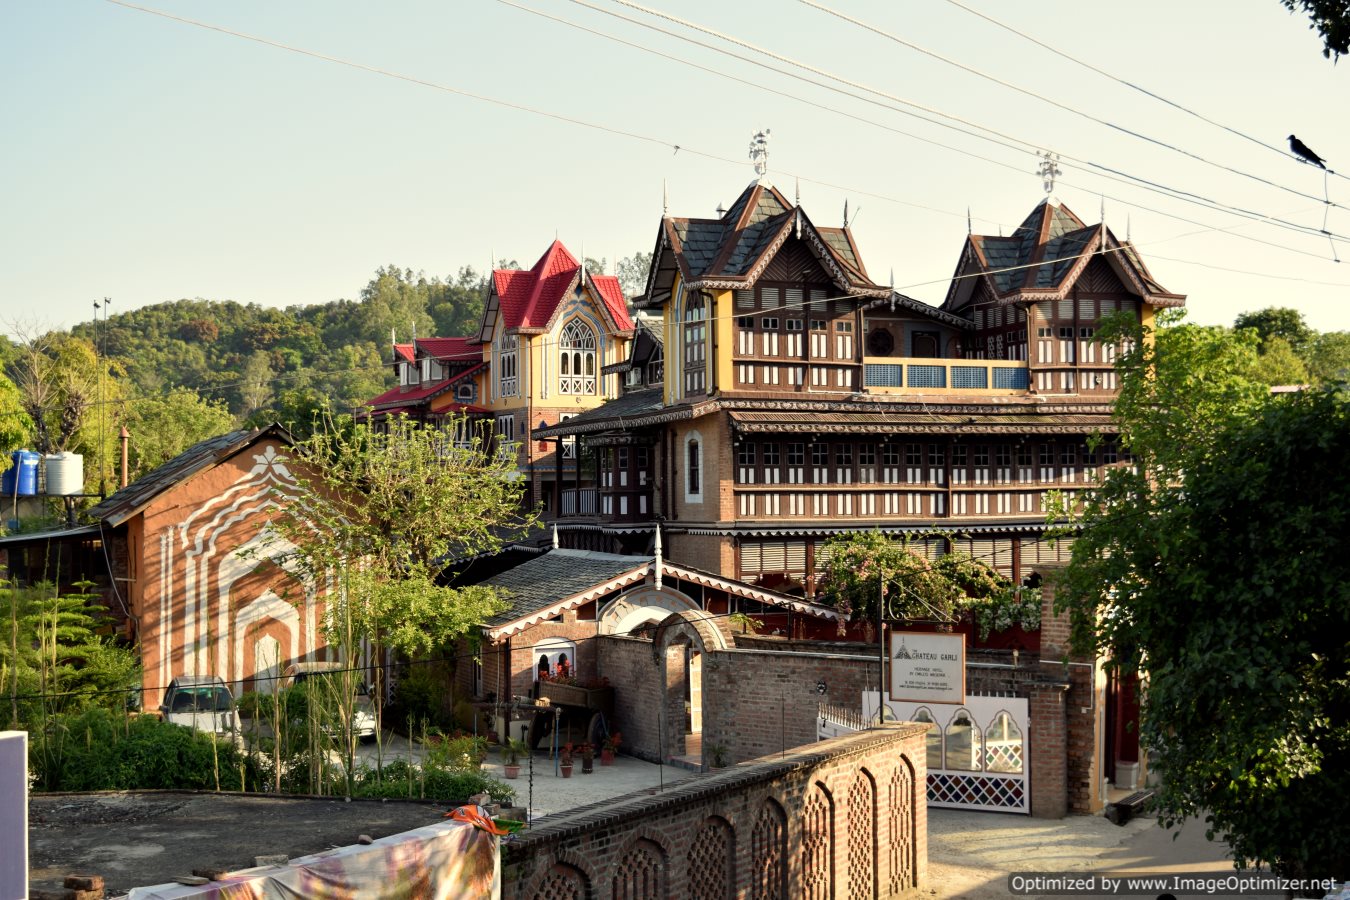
x,y
365,839
192,880
84,882
213,874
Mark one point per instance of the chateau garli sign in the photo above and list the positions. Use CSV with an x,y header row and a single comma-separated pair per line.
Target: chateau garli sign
x,y
928,667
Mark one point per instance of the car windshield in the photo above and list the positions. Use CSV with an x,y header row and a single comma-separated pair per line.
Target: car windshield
x,y
202,699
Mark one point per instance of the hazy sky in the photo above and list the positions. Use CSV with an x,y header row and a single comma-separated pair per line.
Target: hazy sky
x,y
147,160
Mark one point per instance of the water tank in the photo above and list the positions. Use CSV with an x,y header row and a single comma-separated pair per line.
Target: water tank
x,y
21,477
65,474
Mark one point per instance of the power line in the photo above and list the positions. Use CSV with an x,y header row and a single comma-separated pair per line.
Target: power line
x,y
1129,84
1147,184
1099,171
619,132
875,29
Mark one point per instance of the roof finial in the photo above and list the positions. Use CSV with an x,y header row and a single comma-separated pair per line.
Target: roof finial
x,y
1127,228
845,212
665,198
1103,214
393,336
892,277
555,536
969,228
759,152
797,192
657,550
1048,170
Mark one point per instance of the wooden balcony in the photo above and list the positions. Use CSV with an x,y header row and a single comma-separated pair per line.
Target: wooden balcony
x,y
579,502
900,374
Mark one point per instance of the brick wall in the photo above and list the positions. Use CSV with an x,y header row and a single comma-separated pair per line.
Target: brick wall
x,y
629,665
759,702
841,819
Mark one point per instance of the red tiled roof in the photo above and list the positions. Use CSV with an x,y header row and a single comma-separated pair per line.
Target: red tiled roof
x,y
450,348
404,350
404,395
528,299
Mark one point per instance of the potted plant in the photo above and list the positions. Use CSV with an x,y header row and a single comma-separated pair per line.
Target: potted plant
x,y
512,752
565,760
587,751
717,754
611,744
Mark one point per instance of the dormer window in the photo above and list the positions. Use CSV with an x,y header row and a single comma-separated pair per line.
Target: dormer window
x,y
576,359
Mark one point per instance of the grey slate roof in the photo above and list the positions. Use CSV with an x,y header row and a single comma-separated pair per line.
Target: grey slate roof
x,y
539,583
131,499
610,414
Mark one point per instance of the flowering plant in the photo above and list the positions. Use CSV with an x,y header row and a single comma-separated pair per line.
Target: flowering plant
x,y
565,754
612,741
1003,610
562,673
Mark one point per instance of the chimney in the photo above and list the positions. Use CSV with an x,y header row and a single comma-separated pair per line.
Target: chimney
x,y
124,437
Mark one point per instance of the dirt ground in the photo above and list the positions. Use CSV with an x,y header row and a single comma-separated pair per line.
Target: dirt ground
x,y
153,837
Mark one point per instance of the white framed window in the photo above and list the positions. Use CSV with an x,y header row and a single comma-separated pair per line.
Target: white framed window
x,y
553,657
569,443
576,359
695,343
508,366
693,468
506,435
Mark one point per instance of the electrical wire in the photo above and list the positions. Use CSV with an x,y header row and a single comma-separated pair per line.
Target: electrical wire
x,y
1029,145
891,36
1129,84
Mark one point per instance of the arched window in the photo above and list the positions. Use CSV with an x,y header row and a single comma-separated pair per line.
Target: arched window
x,y
508,372
576,359
693,487
933,739
964,746
1003,745
555,658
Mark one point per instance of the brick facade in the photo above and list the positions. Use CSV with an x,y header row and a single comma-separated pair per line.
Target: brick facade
x,y
842,818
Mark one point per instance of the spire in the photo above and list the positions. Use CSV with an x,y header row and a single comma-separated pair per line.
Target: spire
x,y
1049,171
759,153
1103,209
657,550
970,230
797,192
845,212
555,536
665,199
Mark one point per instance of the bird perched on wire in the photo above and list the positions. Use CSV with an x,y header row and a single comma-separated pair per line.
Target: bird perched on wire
x,y
1303,150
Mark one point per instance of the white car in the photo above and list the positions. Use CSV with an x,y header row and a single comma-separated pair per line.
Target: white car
x,y
363,712
201,702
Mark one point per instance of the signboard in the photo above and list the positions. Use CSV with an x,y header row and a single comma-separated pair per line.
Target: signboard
x,y
928,667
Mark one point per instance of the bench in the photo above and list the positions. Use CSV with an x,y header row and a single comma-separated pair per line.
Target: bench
x,y
1122,811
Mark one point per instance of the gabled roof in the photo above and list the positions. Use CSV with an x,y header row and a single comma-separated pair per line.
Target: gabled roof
x,y
404,352
732,251
1043,257
449,349
545,586
405,396
529,298
131,499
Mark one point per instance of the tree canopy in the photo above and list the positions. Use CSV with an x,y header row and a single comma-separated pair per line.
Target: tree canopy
x,y
1330,19
1215,566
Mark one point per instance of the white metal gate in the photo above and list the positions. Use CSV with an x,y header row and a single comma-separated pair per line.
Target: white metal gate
x,y
977,751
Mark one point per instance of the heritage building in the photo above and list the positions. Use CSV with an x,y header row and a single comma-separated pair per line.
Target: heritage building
x,y
798,398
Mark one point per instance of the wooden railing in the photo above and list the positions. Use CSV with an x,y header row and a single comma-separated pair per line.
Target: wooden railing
x,y
587,506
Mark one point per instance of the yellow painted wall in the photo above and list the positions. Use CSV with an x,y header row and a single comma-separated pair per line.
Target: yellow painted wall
x,y
721,325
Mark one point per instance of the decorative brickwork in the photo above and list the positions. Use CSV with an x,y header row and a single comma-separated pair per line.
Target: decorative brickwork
x,y
770,853
768,829
642,873
710,858
563,882
818,844
901,827
862,825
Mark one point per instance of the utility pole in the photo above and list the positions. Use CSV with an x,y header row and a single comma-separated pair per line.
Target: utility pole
x,y
881,642
100,340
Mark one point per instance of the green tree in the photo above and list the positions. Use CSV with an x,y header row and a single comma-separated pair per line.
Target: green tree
x,y
1328,359
1277,322
1279,364
163,427
15,424
255,382
1330,19
632,272
1215,566
382,510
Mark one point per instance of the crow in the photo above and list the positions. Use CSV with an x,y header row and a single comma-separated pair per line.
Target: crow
x,y
1303,150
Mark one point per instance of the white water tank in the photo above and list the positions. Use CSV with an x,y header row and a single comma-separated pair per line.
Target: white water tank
x,y
65,474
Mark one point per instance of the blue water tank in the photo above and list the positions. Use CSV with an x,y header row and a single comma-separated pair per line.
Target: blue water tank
x,y
21,477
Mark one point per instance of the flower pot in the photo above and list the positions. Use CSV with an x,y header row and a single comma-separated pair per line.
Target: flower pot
x,y
606,757
566,771
587,766
512,771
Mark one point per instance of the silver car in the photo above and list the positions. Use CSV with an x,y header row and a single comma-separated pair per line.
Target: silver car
x,y
363,706
201,702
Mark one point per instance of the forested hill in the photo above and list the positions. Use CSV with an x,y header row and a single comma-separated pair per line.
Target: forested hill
x,y
269,364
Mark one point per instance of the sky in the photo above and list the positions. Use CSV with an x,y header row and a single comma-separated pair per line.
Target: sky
x,y
147,159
